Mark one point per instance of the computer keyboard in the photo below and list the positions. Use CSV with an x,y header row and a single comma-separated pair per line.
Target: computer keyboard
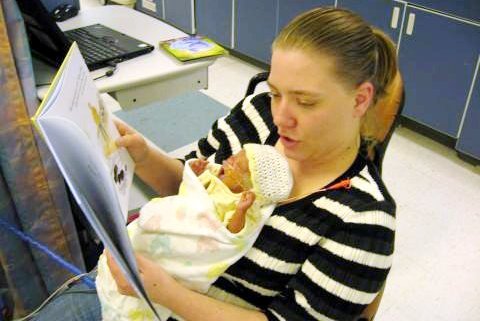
x,y
93,49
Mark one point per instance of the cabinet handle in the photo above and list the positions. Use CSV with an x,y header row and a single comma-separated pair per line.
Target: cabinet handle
x,y
395,16
410,24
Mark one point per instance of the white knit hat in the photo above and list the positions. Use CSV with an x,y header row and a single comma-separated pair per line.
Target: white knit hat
x,y
270,172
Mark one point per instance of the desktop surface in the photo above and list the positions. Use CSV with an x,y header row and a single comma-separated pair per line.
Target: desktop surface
x,y
152,76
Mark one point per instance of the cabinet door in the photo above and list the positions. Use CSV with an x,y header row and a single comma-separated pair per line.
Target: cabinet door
x,y
180,14
383,14
255,27
465,8
469,140
437,57
214,19
289,9
151,7
51,4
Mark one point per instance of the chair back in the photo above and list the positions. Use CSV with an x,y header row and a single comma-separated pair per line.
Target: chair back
x,y
252,84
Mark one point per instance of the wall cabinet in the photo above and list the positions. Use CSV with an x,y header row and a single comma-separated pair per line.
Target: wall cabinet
x,y
50,4
469,139
151,7
289,9
437,52
176,12
437,57
255,27
386,15
469,9
258,22
214,19
180,14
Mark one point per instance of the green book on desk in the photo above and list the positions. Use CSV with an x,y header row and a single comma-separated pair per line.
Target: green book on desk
x,y
192,47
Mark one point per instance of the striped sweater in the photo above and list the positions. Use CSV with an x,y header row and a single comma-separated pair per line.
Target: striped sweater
x,y
323,257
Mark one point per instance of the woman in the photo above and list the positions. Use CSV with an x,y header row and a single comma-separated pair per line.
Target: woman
x,y
325,253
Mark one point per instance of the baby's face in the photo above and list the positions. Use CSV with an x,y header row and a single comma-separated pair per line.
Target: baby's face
x,y
235,173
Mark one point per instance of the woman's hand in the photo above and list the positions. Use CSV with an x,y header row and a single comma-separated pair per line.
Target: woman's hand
x,y
165,290
156,281
133,141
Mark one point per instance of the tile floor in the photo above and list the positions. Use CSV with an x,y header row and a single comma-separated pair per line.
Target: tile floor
x,y
436,270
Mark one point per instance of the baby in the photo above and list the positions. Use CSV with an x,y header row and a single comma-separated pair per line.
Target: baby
x,y
212,222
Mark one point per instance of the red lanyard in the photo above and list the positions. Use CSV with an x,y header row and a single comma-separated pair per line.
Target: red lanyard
x,y
346,184
343,184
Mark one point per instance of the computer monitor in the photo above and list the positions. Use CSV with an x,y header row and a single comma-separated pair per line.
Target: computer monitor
x,y
46,40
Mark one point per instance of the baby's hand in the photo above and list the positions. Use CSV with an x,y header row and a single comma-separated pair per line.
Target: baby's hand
x,y
198,166
237,222
246,200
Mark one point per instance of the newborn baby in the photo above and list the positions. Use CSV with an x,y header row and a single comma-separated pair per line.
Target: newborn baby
x,y
212,222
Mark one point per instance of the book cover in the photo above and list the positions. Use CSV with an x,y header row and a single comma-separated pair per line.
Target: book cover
x,y
80,133
192,47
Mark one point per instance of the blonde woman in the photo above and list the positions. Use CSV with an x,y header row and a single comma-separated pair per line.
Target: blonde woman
x,y
324,253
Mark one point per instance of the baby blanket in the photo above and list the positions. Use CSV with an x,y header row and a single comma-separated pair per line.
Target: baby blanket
x,y
184,234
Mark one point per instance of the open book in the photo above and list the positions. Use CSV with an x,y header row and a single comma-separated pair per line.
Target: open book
x,y
80,133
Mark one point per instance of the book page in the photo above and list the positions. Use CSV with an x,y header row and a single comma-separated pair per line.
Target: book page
x,y
74,96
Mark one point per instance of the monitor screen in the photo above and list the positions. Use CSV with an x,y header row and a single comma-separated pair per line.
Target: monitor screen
x,y
46,39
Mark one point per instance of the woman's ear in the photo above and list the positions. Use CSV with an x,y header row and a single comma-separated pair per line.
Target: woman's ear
x,y
363,98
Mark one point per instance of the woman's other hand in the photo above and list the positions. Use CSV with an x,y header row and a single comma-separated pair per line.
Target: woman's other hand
x,y
165,290
123,286
155,280
133,141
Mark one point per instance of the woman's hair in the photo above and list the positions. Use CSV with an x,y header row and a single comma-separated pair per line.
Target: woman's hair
x,y
361,52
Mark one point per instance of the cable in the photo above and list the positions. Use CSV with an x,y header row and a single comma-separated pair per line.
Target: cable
x,y
110,72
68,266
64,286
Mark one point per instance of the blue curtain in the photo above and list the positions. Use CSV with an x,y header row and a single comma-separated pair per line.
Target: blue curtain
x,y
33,197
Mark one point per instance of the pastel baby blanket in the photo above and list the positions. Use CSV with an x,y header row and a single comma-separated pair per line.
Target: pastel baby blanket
x,y
187,236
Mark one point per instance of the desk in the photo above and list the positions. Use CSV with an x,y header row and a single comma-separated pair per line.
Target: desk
x,y
147,78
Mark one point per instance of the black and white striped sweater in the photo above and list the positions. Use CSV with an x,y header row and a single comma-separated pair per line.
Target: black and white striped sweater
x,y
323,257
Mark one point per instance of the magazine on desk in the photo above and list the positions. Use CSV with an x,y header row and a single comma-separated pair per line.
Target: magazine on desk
x,y
80,133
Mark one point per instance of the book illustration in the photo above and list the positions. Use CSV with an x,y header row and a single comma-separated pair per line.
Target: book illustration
x,y
101,117
192,47
192,44
119,174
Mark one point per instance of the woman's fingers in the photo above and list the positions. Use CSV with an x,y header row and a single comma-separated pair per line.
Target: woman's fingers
x,y
125,141
121,126
133,141
122,283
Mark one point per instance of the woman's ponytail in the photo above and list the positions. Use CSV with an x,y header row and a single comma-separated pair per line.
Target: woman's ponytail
x,y
386,62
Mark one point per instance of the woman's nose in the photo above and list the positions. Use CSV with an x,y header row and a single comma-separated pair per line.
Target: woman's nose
x,y
282,114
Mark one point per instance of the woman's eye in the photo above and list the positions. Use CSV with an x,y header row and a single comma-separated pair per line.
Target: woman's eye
x,y
305,103
273,95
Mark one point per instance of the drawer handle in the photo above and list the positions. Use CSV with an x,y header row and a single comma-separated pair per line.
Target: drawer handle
x,y
395,17
410,23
